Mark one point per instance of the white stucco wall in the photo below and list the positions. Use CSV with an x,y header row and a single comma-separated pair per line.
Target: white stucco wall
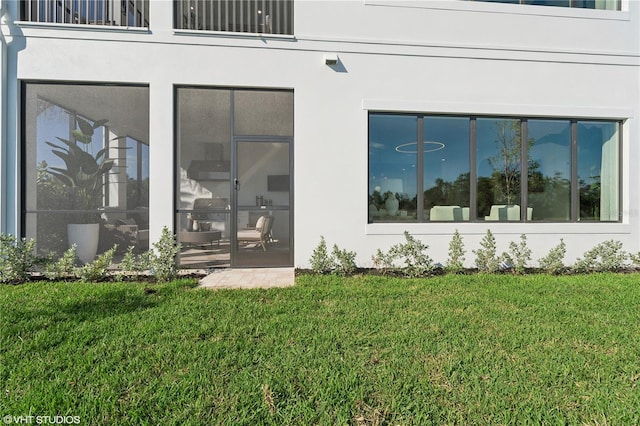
x,y
429,56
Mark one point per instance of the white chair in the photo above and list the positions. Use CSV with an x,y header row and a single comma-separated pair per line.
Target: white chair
x,y
503,212
261,234
445,213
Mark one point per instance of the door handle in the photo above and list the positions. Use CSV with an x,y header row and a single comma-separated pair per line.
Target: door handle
x,y
236,183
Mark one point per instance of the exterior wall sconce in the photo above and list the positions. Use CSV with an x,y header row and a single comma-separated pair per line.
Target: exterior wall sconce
x,y
330,59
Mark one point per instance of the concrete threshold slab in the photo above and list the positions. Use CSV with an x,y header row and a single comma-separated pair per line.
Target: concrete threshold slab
x,y
249,278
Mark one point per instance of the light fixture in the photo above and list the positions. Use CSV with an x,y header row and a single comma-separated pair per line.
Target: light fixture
x,y
330,58
434,146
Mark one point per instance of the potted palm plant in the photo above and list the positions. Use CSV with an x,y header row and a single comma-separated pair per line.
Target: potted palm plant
x,y
83,179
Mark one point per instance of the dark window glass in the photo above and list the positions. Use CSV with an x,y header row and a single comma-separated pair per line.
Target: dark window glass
x,y
549,169
550,192
498,168
446,168
598,170
393,175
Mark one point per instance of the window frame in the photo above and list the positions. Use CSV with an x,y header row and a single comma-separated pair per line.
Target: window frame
x,y
574,206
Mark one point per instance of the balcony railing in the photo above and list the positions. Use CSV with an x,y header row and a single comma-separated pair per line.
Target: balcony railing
x,y
240,16
122,13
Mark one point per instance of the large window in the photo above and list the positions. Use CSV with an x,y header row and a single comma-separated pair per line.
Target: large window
x,y
442,168
86,162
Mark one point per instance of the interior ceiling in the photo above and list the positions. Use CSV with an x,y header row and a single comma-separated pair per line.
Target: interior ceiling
x,y
126,107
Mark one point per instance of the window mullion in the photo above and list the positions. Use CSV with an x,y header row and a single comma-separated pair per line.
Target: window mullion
x,y
473,205
575,195
524,174
420,171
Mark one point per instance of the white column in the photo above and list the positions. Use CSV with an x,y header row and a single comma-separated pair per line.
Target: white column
x,y
161,163
160,16
9,189
3,138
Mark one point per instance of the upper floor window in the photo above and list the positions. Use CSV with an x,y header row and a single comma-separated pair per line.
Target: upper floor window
x,y
582,4
426,168
123,13
241,16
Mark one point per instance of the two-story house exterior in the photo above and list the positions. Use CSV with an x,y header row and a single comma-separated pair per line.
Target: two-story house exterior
x,y
251,128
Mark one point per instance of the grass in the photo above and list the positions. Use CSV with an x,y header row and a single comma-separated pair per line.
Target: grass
x,y
480,349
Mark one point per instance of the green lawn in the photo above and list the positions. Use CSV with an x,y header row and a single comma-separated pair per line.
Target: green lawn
x,y
365,350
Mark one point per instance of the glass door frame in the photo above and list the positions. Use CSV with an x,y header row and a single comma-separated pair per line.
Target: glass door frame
x,y
235,208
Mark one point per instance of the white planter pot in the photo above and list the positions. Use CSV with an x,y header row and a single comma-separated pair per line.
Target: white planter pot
x,y
85,237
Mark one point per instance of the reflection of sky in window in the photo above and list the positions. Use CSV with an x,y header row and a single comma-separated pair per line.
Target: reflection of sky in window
x,y
486,145
552,147
597,149
453,159
388,168
591,137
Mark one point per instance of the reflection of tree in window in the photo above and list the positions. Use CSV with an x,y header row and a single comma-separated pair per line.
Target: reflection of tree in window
x,y
506,162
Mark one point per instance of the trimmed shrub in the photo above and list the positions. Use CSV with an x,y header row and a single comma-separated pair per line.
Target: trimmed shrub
x,y
486,260
17,258
553,262
97,270
411,254
321,261
455,261
344,261
339,261
132,265
64,267
607,256
520,255
163,261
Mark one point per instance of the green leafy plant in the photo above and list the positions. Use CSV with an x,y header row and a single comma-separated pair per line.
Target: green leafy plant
x,y
321,261
410,255
635,259
132,265
64,267
163,262
96,270
83,174
382,261
455,261
520,255
606,256
17,258
486,260
344,261
338,262
553,262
